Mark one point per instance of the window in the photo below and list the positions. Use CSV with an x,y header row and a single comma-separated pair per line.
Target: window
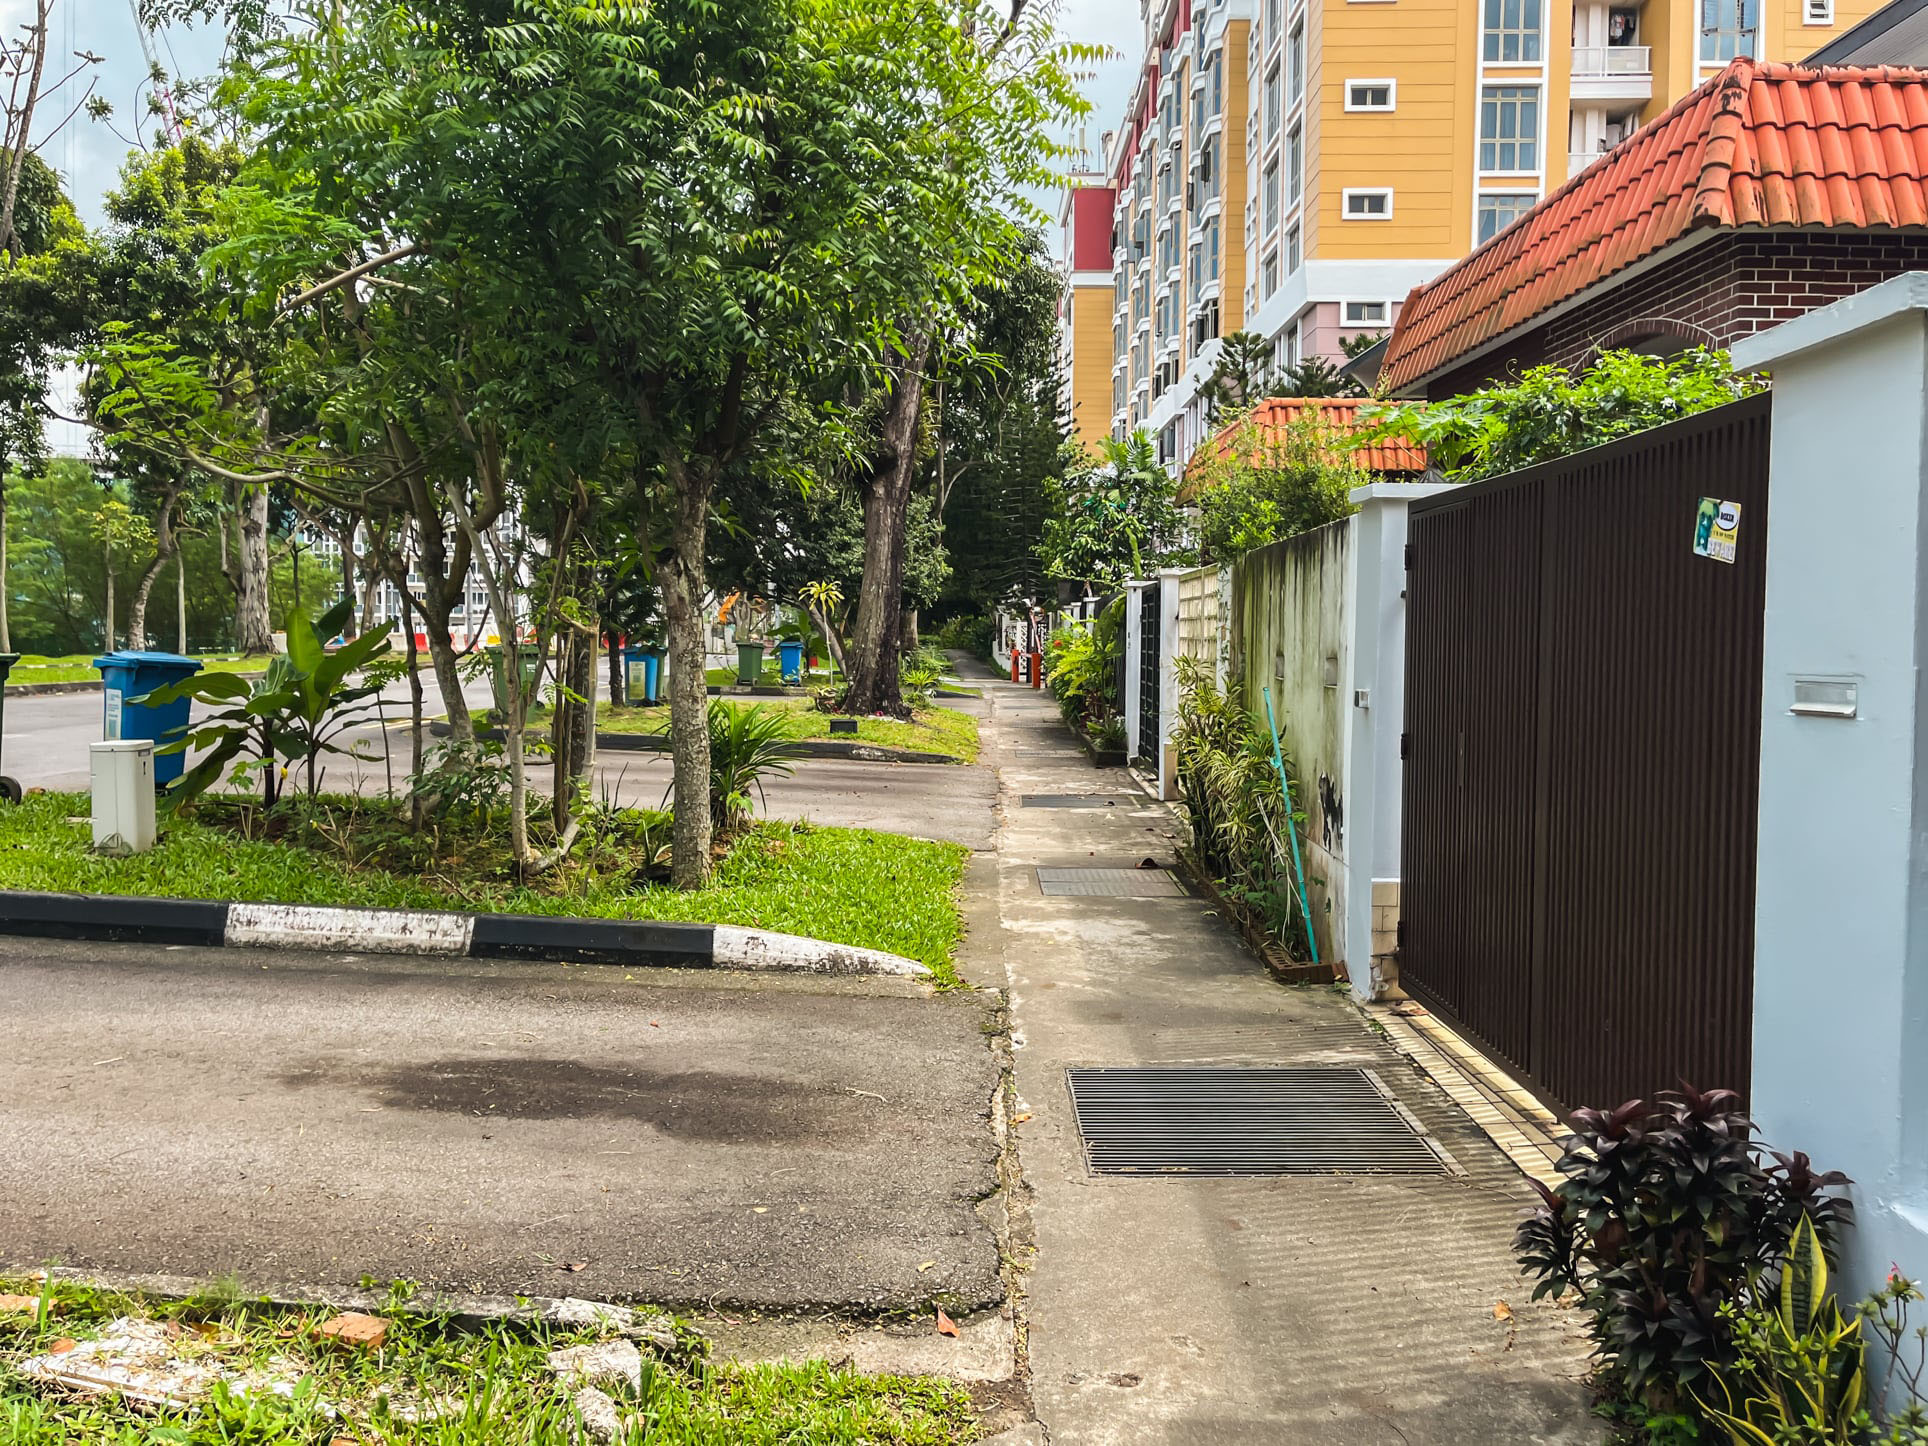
x,y
1295,165
1270,192
1295,64
1512,31
1271,21
1366,204
1211,249
1500,209
1818,12
1727,29
1292,256
1287,349
1509,128
1269,274
1217,84
1365,313
1273,108
1369,94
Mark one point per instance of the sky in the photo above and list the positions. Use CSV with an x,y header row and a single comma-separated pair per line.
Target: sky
x,y
89,154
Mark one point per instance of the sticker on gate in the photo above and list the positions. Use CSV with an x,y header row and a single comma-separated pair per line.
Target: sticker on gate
x,y
1717,529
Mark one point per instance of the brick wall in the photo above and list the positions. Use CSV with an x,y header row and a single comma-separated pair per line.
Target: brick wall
x,y
1727,287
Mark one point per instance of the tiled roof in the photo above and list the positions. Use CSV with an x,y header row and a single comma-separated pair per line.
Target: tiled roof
x,y
1758,145
1275,414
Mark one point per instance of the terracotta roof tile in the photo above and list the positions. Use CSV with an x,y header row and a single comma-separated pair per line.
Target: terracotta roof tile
x,y
1275,414
1757,145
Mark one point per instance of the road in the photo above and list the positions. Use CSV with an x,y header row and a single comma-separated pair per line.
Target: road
x,y
46,738
310,1119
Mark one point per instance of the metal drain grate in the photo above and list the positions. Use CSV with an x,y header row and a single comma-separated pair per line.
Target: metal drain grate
x,y
1067,800
1108,884
1219,1122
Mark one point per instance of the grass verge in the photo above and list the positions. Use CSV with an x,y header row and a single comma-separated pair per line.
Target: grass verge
x,y
433,1382
849,886
79,667
930,730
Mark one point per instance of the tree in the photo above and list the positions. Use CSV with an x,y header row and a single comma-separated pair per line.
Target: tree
x,y
1241,374
999,434
1114,520
1256,485
1001,90
1315,376
1548,412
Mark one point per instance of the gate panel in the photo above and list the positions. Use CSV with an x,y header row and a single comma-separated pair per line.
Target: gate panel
x,y
1150,724
1592,920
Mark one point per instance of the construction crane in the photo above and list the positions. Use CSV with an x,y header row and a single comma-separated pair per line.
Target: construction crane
x,y
161,79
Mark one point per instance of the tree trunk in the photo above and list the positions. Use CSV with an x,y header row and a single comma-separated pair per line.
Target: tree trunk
x,y
137,609
618,677
351,628
6,628
448,677
180,601
689,700
109,627
253,630
876,638
23,141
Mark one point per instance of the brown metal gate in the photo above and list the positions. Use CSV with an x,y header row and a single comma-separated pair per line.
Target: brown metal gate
x,y
1583,698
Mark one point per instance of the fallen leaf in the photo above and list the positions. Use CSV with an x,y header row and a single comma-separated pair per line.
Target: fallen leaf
x,y
19,1304
1020,1119
654,1025
927,1265
572,1266
353,1328
61,1346
945,1325
1502,1311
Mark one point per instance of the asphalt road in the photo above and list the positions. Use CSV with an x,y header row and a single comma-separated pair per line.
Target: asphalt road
x,y
310,1119
46,738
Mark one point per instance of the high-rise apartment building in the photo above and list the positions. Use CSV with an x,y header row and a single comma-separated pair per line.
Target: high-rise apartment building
x,y
1295,167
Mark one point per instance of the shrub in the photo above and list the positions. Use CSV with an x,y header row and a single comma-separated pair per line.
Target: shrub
x,y
968,633
1229,783
1670,1216
1263,484
1548,412
1081,667
747,745
1800,1370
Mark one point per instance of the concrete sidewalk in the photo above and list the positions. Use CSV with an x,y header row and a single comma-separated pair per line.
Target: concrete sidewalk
x,y
1383,1311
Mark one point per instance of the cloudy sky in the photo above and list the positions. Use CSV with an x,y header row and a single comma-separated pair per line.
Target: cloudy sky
x,y
89,154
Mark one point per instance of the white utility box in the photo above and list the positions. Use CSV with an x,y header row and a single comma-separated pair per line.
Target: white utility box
x,y
123,778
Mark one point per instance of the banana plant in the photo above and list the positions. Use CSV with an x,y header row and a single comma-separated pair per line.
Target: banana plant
x,y
291,715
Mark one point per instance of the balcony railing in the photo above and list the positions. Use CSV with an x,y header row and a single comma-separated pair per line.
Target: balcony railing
x,y
1612,60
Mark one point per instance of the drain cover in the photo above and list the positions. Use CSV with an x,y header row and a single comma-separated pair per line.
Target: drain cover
x,y
1108,883
1213,1121
1067,800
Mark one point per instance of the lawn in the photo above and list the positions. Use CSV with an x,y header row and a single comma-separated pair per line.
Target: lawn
x,y
79,667
849,886
433,1381
931,730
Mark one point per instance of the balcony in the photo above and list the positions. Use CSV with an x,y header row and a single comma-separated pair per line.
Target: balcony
x,y
1612,73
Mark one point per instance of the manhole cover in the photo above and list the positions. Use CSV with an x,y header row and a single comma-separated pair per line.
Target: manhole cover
x,y
1213,1121
1067,800
1108,883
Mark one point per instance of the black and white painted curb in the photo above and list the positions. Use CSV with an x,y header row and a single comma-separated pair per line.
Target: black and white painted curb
x,y
409,931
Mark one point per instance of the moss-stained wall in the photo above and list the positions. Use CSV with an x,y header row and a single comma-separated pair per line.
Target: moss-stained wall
x,y
1291,635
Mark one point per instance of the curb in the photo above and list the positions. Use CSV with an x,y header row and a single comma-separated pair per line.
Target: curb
x,y
806,747
542,937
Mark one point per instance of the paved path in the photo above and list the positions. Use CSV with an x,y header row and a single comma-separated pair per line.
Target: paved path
x,y
47,736
311,1119
1336,1309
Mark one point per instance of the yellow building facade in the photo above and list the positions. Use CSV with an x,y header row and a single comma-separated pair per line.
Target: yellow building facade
x,y
1295,167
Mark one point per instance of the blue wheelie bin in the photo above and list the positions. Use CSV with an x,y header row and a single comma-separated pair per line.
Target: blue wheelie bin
x,y
790,657
125,677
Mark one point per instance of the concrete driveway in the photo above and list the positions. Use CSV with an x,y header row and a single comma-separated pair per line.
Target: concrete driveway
x,y
47,736
683,1137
